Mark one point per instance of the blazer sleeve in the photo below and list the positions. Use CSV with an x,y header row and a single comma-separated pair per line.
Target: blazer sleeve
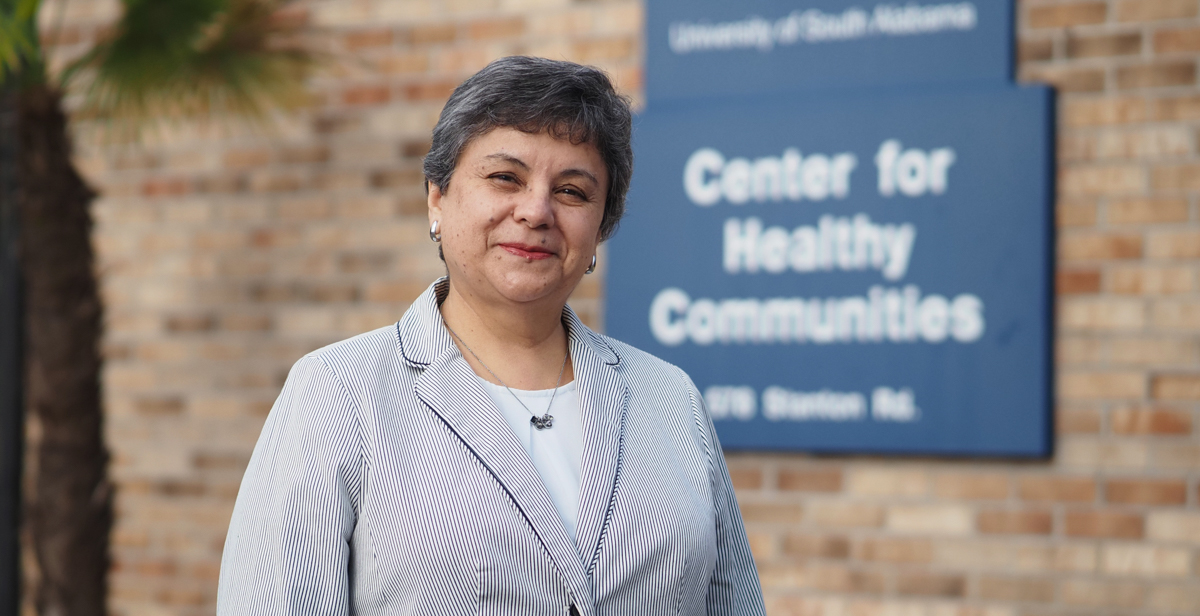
x,y
288,547
734,589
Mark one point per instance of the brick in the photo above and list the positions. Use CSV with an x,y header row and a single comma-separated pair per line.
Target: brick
x,y
1057,489
598,50
500,28
1106,314
1133,559
429,91
746,478
367,39
1154,351
972,486
1174,598
160,406
1100,246
816,546
433,34
245,158
1152,281
166,187
1021,522
409,63
1157,75
843,514
1146,491
1154,10
1141,144
810,479
367,95
1075,214
1016,589
1034,50
1066,78
1176,315
1103,594
1081,454
1109,110
1077,421
1072,352
926,584
305,154
1101,385
1174,244
1066,15
1131,421
1104,524
771,513
396,292
763,546
1175,178
1103,45
1176,108
894,550
188,323
887,482
1077,282
1180,40
930,519
1175,387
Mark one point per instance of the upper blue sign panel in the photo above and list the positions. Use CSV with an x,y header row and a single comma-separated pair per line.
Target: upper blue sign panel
x,y
860,273
702,48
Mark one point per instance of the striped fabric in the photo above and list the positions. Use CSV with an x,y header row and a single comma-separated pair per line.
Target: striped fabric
x,y
385,482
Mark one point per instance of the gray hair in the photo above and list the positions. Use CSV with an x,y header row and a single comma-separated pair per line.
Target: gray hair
x,y
567,100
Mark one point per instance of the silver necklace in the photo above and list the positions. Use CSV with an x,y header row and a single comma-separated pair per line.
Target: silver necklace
x,y
541,423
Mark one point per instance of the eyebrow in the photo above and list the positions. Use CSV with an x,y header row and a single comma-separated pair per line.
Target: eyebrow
x,y
568,173
508,158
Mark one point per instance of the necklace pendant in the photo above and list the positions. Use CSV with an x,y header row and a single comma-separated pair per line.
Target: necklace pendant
x,y
543,422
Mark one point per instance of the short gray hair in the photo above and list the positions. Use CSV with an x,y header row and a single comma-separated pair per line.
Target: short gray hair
x,y
567,100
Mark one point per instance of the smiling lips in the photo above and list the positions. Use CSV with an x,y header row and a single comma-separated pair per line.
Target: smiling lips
x,y
533,253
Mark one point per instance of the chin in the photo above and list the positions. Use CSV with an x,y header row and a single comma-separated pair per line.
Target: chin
x,y
529,286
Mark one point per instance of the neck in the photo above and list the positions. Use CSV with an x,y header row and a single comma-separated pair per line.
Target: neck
x,y
523,345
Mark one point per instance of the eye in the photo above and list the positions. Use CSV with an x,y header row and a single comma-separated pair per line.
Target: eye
x,y
573,193
503,177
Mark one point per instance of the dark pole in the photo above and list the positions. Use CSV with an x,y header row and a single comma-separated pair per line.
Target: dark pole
x,y
12,426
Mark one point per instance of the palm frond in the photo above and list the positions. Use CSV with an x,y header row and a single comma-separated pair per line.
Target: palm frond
x,y
194,58
19,45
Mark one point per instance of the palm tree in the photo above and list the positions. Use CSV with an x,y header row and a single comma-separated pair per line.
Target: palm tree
x,y
164,59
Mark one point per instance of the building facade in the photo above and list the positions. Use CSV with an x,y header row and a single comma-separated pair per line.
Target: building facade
x,y
228,251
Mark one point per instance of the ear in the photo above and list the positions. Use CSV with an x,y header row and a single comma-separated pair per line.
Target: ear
x,y
433,200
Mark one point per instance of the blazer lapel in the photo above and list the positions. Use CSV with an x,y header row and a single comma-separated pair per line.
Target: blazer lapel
x,y
603,399
449,387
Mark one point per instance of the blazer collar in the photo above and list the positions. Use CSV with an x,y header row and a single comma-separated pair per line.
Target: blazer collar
x,y
423,335
451,390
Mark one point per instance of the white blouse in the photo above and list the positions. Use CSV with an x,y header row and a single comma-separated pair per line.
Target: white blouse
x,y
557,451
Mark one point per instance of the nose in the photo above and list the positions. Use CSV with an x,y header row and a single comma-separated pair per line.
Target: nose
x,y
535,207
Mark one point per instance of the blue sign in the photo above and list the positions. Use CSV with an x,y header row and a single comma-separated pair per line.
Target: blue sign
x,y
697,48
854,273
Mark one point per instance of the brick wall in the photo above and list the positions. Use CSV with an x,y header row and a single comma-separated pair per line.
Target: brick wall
x,y
227,252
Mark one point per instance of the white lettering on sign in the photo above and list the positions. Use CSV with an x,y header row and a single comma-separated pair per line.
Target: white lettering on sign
x,y
781,404
708,177
728,402
840,243
883,315
914,172
816,26
888,404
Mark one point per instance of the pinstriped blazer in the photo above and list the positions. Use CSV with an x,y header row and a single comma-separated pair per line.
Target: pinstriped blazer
x,y
386,482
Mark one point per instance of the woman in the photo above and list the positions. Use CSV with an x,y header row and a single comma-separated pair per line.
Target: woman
x,y
489,453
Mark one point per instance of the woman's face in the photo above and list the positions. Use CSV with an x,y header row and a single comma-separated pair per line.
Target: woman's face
x,y
520,220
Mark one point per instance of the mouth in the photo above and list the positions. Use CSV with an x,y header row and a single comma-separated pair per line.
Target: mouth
x,y
532,253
